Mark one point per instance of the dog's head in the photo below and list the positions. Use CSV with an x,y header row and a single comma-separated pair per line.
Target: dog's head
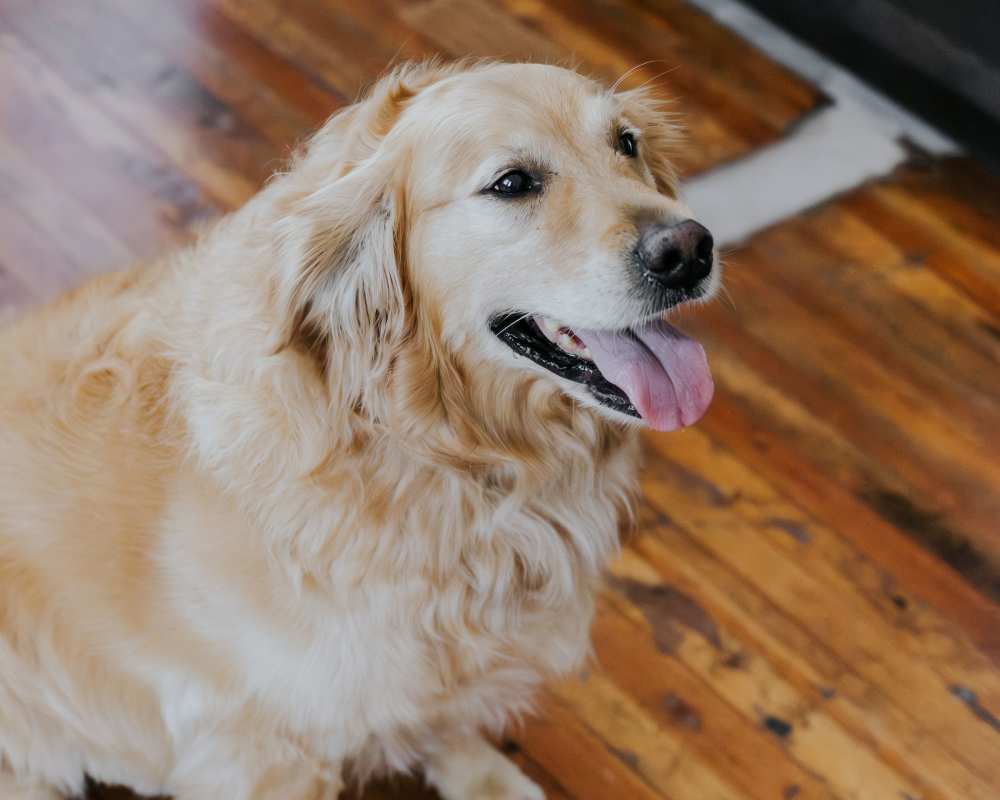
x,y
478,224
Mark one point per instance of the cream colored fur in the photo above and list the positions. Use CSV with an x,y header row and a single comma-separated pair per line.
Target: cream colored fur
x,y
280,507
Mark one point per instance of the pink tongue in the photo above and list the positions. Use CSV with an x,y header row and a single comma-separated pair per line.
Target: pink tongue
x,y
664,373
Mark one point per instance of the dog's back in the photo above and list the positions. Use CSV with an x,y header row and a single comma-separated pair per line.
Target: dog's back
x,y
81,479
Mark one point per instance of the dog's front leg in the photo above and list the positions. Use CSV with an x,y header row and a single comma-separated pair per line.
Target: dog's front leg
x,y
14,788
472,769
266,771
281,784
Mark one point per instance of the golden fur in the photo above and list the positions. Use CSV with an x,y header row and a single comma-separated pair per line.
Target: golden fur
x,y
280,505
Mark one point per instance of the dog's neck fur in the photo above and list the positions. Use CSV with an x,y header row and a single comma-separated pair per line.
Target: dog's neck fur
x,y
472,481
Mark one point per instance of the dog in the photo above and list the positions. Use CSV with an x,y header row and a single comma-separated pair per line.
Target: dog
x,y
328,493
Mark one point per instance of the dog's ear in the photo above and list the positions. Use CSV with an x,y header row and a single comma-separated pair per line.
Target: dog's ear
x,y
341,231
341,257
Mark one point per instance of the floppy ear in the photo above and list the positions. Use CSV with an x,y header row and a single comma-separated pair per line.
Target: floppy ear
x,y
341,258
341,232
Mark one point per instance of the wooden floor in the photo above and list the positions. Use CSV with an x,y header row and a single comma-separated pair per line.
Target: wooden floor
x,y
809,608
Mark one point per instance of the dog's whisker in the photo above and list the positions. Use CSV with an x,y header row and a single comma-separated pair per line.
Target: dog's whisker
x,y
726,295
399,50
731,276
625,75
515,322
656,77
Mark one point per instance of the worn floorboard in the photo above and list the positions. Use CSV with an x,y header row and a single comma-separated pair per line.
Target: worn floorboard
x,y
808,607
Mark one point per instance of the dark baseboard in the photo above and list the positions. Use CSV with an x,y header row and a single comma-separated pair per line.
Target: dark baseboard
x,y
928,56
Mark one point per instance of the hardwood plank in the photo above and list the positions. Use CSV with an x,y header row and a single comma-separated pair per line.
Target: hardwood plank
x,y
578,759
38,267
486,31
366,36
85,243
737,517
545,780
272,95
869,379
870,270
899,440
933,240
754,643
656,754
788,455
777,94
156,100
841,381
340,48
136,197
962,193
741,749
636,35
812,737
711,140
13,293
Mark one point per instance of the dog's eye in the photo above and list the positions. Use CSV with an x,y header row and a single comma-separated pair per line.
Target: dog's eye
x,y
514,182
627,145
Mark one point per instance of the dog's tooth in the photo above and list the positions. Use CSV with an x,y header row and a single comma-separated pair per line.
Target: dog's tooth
x,y
566,342
586,354
550,325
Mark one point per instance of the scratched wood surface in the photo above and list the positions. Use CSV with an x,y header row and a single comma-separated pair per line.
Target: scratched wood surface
x,y
808,608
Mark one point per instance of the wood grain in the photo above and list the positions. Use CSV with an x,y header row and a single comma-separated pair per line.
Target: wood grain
x,y
808,605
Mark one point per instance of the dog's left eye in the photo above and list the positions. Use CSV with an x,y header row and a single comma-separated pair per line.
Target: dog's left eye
x,y
514,183
627,144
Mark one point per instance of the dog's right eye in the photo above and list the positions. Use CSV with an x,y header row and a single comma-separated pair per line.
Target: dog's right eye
x,y
514,183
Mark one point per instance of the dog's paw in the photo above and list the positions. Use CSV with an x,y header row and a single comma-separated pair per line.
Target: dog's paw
x,y
504,783
478,772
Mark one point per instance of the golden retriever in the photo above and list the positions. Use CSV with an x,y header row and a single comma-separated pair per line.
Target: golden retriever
x,y
329,492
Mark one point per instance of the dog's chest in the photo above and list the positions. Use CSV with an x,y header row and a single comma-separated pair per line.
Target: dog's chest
x,y
404,658
404,641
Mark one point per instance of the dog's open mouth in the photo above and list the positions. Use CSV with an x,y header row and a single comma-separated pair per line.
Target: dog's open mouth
x,y
651,371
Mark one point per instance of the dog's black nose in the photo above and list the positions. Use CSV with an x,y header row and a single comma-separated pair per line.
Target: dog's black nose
x,y
677,256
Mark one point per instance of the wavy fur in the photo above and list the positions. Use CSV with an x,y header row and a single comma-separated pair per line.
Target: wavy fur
x,y
270,508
